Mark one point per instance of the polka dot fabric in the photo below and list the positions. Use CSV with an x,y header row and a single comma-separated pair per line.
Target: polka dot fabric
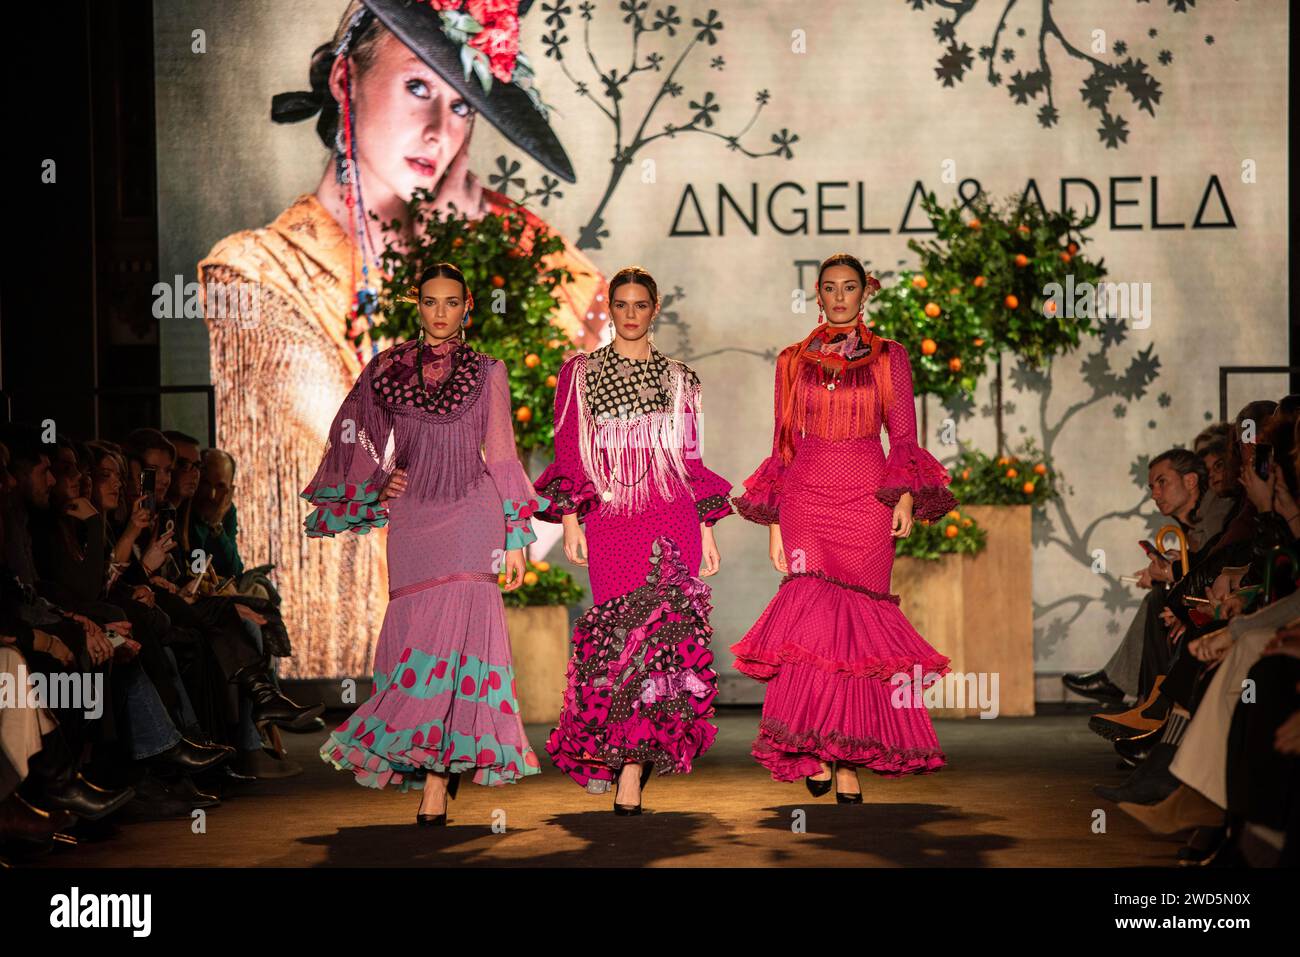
x,y
833,638
636,692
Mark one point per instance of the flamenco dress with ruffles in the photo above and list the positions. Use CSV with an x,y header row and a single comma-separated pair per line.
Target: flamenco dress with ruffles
x,y
832,641
444,695
640,683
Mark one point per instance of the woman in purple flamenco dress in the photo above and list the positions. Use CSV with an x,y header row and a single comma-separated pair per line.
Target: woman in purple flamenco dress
x,y
832,641
424,444
627,466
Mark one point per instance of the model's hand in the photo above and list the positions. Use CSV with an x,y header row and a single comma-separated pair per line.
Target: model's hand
x,y
710,560
514,569
395,486
776,549
902,526
575,540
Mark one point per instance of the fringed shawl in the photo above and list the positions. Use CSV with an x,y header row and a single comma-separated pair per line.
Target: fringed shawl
x,y
808,406
388,422
630,460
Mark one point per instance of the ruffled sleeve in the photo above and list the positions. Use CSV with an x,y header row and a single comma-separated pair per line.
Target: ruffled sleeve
x,y
519,500
910,468
354,468
712,493
565,483
761,502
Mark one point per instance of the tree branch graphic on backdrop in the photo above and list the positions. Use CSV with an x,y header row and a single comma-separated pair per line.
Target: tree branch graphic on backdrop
x,y
631,135
1035,77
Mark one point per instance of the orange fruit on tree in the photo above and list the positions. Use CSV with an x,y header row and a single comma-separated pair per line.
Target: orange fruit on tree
x,y
929,347
952,531
501,579
1011,302
1049,307
954,514
530,578
965,475
965,523
1040,469
1072,248
498,281
1023,228
932,310
553,343
974,224
919,282
524,414
1065,257
457,242
979,282
954,364
1012,473
542,566
1022,260
532,360
1027,488
1003,460
953,291
552,381
978,342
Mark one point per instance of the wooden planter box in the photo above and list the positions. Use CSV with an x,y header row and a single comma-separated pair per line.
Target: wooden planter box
x,y
539,643
978,610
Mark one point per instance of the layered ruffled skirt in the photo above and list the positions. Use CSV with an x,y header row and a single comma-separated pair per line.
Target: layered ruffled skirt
x,y
640,686
843,666
444,694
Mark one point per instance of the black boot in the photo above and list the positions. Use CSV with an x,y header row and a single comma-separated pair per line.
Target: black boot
x,y
54,783
1151,781
187,757
269,705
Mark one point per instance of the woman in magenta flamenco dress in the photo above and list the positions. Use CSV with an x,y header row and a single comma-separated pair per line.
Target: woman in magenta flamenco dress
x,y
627,466
832,640
424,444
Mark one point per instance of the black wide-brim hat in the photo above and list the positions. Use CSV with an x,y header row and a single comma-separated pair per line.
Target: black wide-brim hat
x,y
507,106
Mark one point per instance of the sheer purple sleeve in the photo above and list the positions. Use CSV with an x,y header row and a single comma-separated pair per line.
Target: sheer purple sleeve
x,y
565,482
761,502
353,469
710,490
519,500
910,468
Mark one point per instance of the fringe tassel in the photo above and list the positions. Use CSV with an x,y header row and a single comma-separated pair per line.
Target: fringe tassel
x,y
626,459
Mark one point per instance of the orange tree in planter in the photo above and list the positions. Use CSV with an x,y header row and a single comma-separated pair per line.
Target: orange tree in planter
x,y
1000,267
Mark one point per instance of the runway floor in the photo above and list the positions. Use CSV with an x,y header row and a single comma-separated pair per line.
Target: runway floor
x,y
1016,792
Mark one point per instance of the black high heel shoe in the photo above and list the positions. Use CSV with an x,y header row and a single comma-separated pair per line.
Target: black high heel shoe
x,y
440,820
843,797
819,788
628,810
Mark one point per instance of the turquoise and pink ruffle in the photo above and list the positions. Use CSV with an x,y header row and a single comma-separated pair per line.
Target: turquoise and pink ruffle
x,y
483,705
345,507
519,514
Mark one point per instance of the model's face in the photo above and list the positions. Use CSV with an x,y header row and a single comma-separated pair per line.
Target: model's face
x,y
107,492
186,469
442,308
839,293
632,309
409,121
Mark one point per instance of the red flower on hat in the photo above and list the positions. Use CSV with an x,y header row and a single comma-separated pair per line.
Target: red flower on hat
x,y
499,38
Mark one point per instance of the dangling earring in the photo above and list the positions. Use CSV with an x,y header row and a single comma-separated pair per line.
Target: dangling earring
x,y
821,317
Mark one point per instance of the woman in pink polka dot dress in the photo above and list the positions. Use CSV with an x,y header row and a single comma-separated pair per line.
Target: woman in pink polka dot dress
x,y
832,639
424,444
628,468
